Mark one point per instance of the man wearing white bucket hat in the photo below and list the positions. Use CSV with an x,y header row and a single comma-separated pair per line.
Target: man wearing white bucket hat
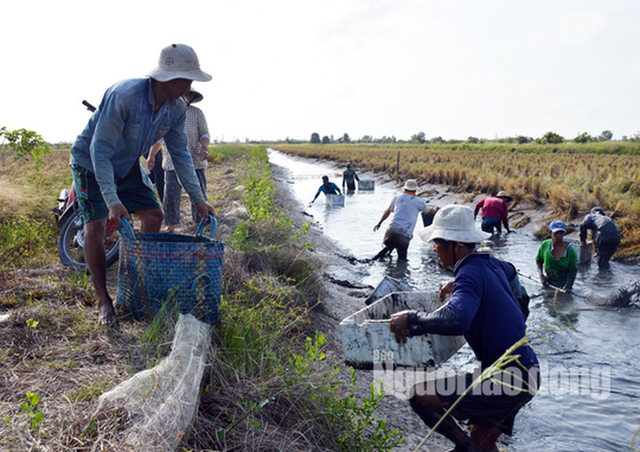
x,y
105,158
483,309
405,208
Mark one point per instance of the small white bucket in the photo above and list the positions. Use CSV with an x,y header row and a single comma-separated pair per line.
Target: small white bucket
x,y
335,200
366,185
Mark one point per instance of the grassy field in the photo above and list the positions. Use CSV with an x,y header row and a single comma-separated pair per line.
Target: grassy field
x,y
272,384
570,178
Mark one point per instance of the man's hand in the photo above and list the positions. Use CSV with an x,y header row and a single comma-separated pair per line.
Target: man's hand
x,y
205,210
376,227
544,280
445,288
151,163
116,212
400,326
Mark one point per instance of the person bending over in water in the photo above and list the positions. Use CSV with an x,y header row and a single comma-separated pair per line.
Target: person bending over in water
x,y
328,188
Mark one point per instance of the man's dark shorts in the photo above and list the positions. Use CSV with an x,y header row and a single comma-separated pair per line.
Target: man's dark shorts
x,y
132,191
489,224
493,405
395,240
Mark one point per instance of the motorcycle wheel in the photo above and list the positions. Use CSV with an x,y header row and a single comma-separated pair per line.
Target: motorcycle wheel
x,y
71,243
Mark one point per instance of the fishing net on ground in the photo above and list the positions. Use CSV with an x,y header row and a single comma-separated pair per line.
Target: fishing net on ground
x,y
161,402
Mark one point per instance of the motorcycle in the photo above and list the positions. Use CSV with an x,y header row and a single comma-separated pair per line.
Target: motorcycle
x,y
71,224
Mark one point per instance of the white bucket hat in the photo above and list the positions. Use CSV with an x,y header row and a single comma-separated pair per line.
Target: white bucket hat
x,y
454,223
178,61
410,185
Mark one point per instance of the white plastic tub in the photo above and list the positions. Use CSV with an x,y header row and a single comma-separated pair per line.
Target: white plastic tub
x,y
387,285
585,252
335,200
366,185
367,339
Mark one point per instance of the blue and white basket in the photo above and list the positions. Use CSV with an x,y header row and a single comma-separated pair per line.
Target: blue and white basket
x,y
161,269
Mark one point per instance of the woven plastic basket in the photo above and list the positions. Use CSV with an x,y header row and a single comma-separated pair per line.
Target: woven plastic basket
x,y
162,269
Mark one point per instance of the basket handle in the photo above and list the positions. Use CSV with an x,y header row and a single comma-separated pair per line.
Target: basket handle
x,y
214,227
126,229
204,275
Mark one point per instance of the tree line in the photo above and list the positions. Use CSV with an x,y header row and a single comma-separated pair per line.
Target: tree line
x,y
420,138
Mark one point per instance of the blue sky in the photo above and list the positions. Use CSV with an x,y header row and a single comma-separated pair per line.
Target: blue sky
x,y
287,68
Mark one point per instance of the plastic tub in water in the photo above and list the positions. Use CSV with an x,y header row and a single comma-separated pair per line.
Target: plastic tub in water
x,y
335,200
366,185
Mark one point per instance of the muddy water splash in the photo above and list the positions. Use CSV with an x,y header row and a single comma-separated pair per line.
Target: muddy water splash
x,y
588,345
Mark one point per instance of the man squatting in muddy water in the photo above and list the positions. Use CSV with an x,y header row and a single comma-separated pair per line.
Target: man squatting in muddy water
x,y
483,309
495,212
105,158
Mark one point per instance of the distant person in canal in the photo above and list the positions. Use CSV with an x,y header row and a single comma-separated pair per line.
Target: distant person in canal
x,y
557,260
604,233
405,208
484,310
328,188
349,178
495,212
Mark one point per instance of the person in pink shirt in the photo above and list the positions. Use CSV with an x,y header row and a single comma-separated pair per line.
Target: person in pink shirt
x,y
494,212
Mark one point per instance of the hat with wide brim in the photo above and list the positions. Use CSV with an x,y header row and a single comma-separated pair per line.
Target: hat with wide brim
x,y
503,194
410,185
178,61
454,223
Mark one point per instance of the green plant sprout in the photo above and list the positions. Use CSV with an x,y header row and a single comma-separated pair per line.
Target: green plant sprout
x,y
32,324
31,411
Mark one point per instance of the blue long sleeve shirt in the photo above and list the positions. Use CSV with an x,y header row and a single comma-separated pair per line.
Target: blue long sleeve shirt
x,y
482,308
124,128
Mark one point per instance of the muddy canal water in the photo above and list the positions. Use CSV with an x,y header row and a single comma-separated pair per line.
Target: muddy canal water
x,y
589,351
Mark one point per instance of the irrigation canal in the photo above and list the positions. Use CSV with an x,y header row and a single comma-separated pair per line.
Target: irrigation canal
x,y
589,351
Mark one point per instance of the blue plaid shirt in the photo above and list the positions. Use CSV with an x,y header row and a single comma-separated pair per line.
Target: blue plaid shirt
x,y
124,128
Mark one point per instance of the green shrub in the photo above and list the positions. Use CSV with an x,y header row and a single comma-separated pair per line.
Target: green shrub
x,y
25,239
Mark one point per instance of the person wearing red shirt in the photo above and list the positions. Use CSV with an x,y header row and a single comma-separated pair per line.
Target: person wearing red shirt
x,y
494,212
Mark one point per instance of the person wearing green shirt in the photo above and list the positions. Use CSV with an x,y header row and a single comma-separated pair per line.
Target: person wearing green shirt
x,y
349,178
558,259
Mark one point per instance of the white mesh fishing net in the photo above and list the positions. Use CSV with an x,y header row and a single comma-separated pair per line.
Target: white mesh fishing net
x,y
161,402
